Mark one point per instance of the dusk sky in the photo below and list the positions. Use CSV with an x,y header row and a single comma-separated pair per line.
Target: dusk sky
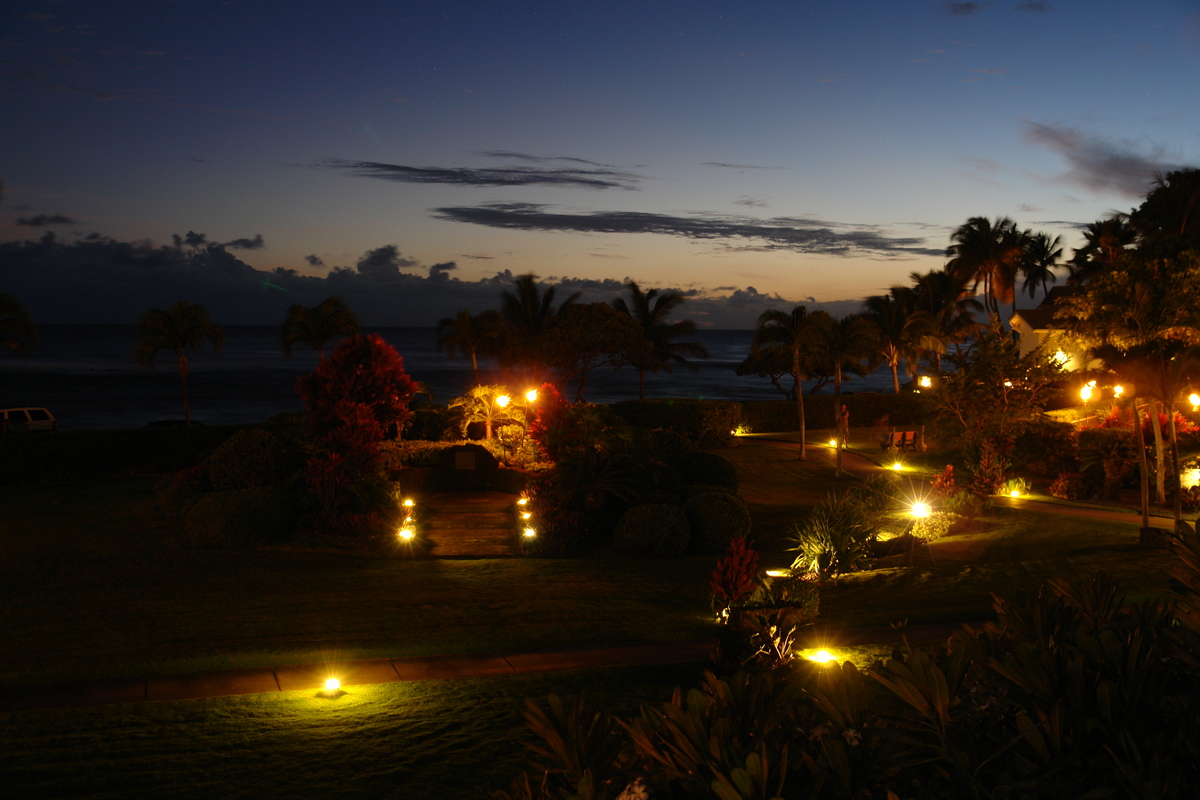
x,y
753,154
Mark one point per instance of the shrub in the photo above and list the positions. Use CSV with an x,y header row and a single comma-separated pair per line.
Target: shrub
x,y
1069,486
835,537
251,457
707,468
1047,448
734,576
240,518
653,529
172,497
965,504
1108,452
876,496
988,475
943,485
562,529
715,519
706,423
936,525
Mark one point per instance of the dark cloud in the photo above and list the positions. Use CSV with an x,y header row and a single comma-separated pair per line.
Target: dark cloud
x,y
723,165
1062,223
191,239
599,178
961,9
314,261
441,272
1036,8
511,155
247,244
1100,165
41,220
782,233
384,263
196,160
751,202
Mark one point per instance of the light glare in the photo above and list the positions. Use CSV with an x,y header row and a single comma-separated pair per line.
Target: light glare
x,y
332,685
921,510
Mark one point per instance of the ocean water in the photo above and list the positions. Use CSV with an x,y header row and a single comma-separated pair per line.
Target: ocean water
x,y
86,376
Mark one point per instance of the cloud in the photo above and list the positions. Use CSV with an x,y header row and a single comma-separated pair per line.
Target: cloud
x,y
256,243
961,9
441,272
1099,165
599,178
192,239
41,220
1028,208
752,202
723,165
383,263
780,233
1036,8
196,160
314,260
512,155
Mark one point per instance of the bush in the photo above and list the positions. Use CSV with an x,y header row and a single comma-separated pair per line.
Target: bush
x,y
1046,449
835,538
240,518
708,469
964,504
653,529
936,525
171,497
876,496
251,457
706,423
1069,486
716,518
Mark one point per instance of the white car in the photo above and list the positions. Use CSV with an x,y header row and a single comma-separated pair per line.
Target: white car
x,y
26,420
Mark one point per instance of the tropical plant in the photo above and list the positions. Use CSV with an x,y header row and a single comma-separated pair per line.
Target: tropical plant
x,y
17,332
790,332
835,537
735,576
842,346
527,311
989,254
491,405
1040,255
904,330
471,335
317,327
584,337
178,330
945,297
651,310
1105,243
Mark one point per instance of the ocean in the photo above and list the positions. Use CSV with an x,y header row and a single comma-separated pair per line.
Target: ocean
x,y
86,376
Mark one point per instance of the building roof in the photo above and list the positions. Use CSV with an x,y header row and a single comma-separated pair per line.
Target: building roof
x,y
1042,317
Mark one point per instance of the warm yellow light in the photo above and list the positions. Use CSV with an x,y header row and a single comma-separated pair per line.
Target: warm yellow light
x,y
1014,493
523,501
1008,384
925,382
1086,393
531,396
779,573
408,521
921,510
1194,399
408,503
526,515
529,533
406,534
896,465
833,442
822,657
1118,390
332,685
1061,358
503,400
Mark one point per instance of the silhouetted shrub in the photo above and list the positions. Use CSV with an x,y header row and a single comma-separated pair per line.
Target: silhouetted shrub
x,y
705,423
653,529
1046,449
715,518
707,468
240,518
250,458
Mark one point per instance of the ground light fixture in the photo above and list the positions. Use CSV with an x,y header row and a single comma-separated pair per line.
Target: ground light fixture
x,y
833,442
821,656
523,501
408,503
920,510
331,688
529,533
1015,493
1118,390
897,466
779,573
406,534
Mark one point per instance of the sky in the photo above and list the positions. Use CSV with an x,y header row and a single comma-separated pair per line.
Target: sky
x,y
414,157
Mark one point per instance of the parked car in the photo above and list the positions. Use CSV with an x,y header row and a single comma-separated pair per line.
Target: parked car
x,y
26,420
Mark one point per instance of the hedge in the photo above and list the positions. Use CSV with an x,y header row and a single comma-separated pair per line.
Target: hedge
x,y
866,409
706,423
240,518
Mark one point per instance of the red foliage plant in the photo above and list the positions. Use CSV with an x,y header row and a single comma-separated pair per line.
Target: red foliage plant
x,y
553,427
1123,418
364,370
734,577
943,485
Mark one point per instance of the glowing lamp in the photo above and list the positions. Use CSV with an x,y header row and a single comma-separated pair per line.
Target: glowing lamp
x,y
833,442
526,515
531,396
921,510
332,685
778,573
406,534
1060,358
1086,393
822,657
896,465
1014,493
503,400
408,503
529,533
523,501
1118,390
1194,399
925,382
1008,384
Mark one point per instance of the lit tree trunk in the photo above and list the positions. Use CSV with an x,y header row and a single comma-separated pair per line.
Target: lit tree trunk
x,y
1175,466
187,409
1144,481
895,364
1160,454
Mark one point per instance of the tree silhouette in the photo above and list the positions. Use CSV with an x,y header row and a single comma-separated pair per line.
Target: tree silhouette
x,y
317,327
471,335
845,345
527,311
179,330
792,332
945,297
1039,258
903,330
651,310
988,253
17,331
1105,242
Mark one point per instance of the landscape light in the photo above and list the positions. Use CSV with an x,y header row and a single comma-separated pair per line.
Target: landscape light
x,y
1060,358
1194,399
925,382
1118,390
408,503
822,657
503,400
529,533
833,442
779,573
526,514
921,510
332,685
523,501
896,465
1015,493
1008,384
531,396
406,534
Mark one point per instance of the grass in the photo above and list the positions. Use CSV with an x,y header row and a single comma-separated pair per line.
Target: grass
x,y
94,586
435,739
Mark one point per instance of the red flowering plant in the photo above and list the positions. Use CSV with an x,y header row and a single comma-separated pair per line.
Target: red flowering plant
x,y
353,399
735,577
555,429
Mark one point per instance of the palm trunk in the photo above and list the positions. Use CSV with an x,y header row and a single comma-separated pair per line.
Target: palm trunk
x,y
837,413
799,401
187,408
475,367
1175,466
1160,454
582,385
1144,481
896,376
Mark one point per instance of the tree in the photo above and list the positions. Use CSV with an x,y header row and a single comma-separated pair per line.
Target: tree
x,y
1105,243
946,298
586,336
1169,218
651,310
490,405
527,311
989,254
790,332
179,330
846,345
473,336
17,331
1039,258
317,327
902,329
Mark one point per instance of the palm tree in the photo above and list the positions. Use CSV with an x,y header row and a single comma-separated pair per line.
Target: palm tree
x,y
527,311
844,345
1039,259
490,405
17,332
650,310
790,331
904,331
989,253
473,336
1106,242
317,327
179,330
951,308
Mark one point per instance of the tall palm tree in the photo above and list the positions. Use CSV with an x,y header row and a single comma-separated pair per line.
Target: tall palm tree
x,y
904,331
179,330
989,253
471,335
527,311
1105,242
843,345
1039,259
17,331
317,327
792,332
650,310
946,298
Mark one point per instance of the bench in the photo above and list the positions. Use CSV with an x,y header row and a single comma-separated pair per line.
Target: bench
x,y
899,440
